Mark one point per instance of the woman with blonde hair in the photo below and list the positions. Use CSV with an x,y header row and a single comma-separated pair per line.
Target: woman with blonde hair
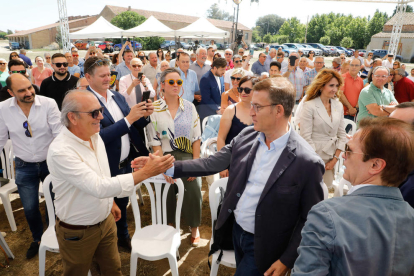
x,y
232,96
322,120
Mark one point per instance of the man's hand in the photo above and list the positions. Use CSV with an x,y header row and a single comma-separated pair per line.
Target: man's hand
x,y
352,111
224,174
156,164
291,68
149,107
136,112
169,179
277,269
197,98
135,82
116,212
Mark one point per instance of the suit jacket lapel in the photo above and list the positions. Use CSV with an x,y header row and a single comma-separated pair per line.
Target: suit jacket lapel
x,y
106,111
322,111
118,102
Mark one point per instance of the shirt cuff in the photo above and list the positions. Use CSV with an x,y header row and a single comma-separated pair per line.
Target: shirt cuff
x,y
170,171
126,181
126,121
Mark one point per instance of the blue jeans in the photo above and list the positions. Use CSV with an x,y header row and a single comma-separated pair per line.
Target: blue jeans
x,y
122,225
243,243
28,176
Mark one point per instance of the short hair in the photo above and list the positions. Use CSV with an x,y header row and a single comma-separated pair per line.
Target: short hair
x,y
69,104
168,71
22,51
388,139
210,47
254,80
58,55
322,78
127,51
281,91
405,105
219,63
238,71
237,56
281,54
400,71
47,54
15,62
276,63
184,54
136,60
321,58
4,60
91,63
337,60
37,57
376,60
114,58
201,48
381,68
262,54
360,63
272,50
78,83
73,49
229,50
152,53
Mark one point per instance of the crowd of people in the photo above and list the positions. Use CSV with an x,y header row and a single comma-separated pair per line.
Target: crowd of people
x,y
103,123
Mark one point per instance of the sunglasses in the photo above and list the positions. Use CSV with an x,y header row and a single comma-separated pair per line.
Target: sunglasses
x,y
246,90
172,82
93,113
75,55
28,131
136,66
14,56
228,54
59,64
238,61
244,60
234,78
101,62
23,72
2,63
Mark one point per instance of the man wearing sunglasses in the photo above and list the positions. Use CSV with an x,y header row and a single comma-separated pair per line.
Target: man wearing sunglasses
x,y
48,60
15,67
211,50
238,63
32,122
60,82
73,69
121,129
369,231
77,60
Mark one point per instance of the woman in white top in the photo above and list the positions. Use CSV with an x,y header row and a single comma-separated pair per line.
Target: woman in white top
x,y
175,129
368,62
311,59
160,55
322,120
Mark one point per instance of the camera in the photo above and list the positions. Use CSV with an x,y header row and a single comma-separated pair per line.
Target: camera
x,y
239,36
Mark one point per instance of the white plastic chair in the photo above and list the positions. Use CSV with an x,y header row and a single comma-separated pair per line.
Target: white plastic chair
x,y
353,124
158,240
339,190
6,248
49,240
325,191
6,190
204,123
209,147
228,259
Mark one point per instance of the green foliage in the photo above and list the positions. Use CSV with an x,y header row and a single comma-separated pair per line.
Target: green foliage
x,y
347,42
9,31
357,32
267,38
325,40
150,43
283,39
256,35
293,29
214,12
270,23
58,38
3,35
375,25
408,9
127,20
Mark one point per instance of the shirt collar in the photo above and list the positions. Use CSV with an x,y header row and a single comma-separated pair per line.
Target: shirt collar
x,y
356,187
277,144
65,79
37,102
109,94
65,131
163,104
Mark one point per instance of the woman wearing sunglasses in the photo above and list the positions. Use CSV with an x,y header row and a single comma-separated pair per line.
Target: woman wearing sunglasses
x,y
311,59
322,120
168,56
160,55
3,72
232,95
236,117
13,55
175,129
40,72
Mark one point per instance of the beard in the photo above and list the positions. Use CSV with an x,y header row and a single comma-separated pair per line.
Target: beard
x,y
25,99
61,74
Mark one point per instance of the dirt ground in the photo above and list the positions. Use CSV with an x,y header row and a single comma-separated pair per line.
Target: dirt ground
x,y
193,260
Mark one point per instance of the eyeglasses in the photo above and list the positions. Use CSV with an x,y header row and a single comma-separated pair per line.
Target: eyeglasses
x,y
395,64
257,107
28,131
234,78
355,65
59,64
348,151
14,56
75,55
136,66
236,61
342,58
246,90
381,76
2,63
23,72
318,62
228,54
93,113
172,82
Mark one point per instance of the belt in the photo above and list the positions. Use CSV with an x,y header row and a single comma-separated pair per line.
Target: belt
x,y
123,163
76,227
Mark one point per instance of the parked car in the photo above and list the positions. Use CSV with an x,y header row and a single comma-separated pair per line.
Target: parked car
x,y
102,45
380,53
315,50
254,47
362,52
335,51
134,44
185,46
348,53
80,45
298,47
319,46
285,49
167,45
14,46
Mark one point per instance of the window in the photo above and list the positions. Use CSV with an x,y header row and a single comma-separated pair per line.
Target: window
x,y
246,36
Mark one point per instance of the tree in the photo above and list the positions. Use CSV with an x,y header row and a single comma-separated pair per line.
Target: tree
x,y
293,29
267,38
3,35
256,35
283,39
127,20
325,40
58,38
357,32
270,23
347,42
408,9
150,43
375,25
214,12
9,31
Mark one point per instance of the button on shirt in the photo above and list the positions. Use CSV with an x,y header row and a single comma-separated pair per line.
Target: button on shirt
x,y
44,121
82,182
262,167
200,71
117,115
190,85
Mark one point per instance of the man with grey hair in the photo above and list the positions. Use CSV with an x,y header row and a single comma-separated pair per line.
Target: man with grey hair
x,y
201,68
296,77
48,60
403,87
32,121
269,58
81,176
319,62
150,70
23,56
375,100
82,84
228,55
377,62
238,63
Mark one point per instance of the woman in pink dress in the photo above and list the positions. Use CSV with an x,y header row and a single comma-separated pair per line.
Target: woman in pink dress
x,y
40,72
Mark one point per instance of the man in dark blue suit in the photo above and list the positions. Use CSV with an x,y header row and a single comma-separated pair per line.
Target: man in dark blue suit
x,y
119,130
211,88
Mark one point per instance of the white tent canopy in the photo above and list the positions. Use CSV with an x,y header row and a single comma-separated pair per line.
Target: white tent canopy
x,y
151,27
99,29
201,28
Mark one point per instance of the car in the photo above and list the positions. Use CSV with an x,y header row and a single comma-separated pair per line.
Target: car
x,y
315,50
348,53
14,46
80,45
380,53
134,44
298,47
185,46
254,47
362,52
102,45
326,52
285,49
335,51
167,45
339,50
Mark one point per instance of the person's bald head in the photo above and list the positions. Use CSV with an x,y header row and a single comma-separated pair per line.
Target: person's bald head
x,y
404,112
21,88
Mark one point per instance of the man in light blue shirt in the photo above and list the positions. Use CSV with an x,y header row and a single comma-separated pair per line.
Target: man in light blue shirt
x,y
73,69
269,58
124,68
259,66
190,84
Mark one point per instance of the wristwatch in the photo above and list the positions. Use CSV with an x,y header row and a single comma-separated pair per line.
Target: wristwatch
x,y
337,158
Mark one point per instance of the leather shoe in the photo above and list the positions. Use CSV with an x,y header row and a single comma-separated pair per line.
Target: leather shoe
x,y
33,250
125,243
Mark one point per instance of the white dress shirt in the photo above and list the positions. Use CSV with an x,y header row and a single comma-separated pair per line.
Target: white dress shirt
x,y
117,114
82,182
356,187
262,167
44,120
131,99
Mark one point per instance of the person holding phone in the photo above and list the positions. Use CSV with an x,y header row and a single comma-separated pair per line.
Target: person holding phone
x,y
295,75
175,129
133,85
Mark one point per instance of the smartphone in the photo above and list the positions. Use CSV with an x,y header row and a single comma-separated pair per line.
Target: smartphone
x,y
140,76
92,43
292,60
145,96
251,52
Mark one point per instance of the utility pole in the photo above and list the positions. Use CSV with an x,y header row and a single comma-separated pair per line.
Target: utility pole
x,y
306,32
64,25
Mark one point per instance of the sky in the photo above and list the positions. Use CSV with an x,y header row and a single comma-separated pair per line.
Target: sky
x,y
28,14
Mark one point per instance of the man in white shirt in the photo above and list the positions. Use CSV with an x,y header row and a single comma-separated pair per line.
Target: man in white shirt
x,y
172,62
280,58
356,56
32,121
122,130
388,61
411,77
238,63
84,188
150,70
